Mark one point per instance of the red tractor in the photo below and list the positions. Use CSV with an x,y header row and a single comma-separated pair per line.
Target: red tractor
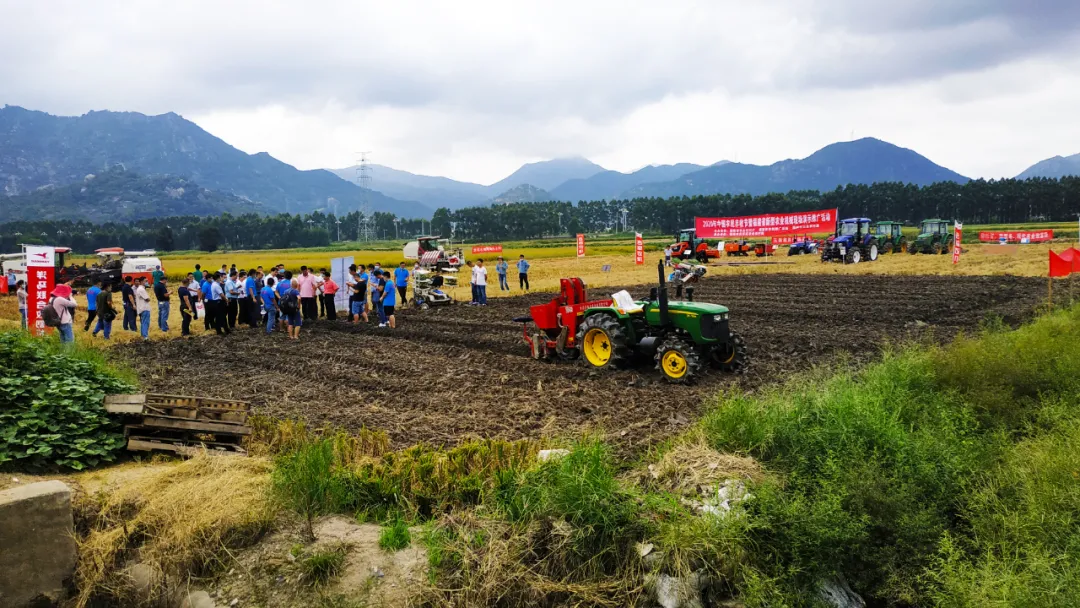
x,y
688,247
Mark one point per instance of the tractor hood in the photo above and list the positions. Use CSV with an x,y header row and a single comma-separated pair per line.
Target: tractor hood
x,y
926,236
846,239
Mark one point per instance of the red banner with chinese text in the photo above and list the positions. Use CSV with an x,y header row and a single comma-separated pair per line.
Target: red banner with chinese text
x,y
1032,236
770,224
40,280
581,245
639,249
958,230
486,249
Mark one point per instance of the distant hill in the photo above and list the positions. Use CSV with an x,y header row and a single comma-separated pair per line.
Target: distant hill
x,y
1058,166
608,185
525,193
863,161
547,174
38,149
119,195
432,191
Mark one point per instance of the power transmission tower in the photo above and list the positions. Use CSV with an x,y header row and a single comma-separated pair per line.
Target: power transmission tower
x,y
365,228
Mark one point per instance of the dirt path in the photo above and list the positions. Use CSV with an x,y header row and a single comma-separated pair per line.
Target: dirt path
x,y
464,371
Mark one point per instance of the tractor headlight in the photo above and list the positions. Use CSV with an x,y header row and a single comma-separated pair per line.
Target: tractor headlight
x,y
720,317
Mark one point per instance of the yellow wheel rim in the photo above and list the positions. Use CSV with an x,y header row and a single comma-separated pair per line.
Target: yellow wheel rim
x,y
597,347
732,357
674,364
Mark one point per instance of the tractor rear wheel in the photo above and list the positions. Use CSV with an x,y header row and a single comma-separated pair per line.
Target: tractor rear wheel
x,y
730,357
677,359
602,341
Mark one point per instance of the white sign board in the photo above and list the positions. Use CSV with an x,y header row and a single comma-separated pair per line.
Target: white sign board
x,y
40,257
339,272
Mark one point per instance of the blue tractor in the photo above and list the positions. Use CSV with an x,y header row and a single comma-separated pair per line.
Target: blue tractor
x,y
853,242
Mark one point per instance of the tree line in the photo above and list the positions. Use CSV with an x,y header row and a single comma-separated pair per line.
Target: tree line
x,y
978,201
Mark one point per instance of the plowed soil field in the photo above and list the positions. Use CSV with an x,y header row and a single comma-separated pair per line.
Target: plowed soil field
x,y
462,371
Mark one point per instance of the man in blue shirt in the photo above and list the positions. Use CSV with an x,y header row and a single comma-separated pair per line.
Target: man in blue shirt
x,y
91,305
209,314
523,273
269,301
251,294
389,298
217,294
501,269
401,281
232,299
283,287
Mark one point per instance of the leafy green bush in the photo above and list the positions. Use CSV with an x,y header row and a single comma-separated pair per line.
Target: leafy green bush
x,y
51,412
395,536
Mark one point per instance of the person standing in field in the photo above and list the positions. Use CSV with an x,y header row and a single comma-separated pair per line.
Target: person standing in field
x,y
162,293
91,303
523,273
501,267
142,307
187,307
329,289
373,289
401,281
252,288
357,284
198,274
232,297
480,279
11,281
319,293
106,311
305,284
381,285
64,305
667,255
270,304
283,287
217,294
127,294
193,293
290,305
207,295
157,275
389,299
472,283
20,292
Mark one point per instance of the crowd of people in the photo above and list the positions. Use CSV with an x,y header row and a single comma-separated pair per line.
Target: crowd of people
x,y
274,299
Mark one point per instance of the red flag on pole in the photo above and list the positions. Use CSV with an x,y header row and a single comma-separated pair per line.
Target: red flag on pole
x,y
1058,266
639,249
1072,256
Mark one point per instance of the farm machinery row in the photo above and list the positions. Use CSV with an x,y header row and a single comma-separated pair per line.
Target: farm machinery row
x,y
680,336
856,240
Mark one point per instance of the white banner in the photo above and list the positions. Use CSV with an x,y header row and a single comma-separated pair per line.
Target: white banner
x,y
339,272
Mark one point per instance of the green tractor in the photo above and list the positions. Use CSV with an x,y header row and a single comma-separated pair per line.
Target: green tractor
x,y
890,237
935,236
681,336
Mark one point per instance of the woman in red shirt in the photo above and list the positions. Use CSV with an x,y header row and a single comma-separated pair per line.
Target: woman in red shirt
x,y
329,288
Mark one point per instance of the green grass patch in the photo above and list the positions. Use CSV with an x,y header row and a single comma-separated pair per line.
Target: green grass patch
x,y
323,564
395,536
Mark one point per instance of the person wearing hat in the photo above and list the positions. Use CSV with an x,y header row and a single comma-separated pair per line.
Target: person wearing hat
x,y
65,306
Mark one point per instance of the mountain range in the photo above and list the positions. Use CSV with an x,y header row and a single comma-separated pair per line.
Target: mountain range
x,y
168,165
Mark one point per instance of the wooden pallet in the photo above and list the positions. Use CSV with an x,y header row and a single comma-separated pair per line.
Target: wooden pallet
x,y
182,424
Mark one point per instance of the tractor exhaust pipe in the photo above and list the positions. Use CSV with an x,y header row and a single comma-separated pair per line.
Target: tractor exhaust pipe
x,y
662,294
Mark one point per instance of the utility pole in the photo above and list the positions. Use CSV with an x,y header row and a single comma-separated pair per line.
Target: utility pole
x,y
397,235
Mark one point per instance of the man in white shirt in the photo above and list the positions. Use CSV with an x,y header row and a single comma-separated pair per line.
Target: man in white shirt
x,y
480,281
142,307
319,292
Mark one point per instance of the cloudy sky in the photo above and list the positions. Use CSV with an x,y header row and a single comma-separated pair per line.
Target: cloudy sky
x,y
472,90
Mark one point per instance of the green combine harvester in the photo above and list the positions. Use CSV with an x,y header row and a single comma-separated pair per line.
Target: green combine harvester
x,y
935,236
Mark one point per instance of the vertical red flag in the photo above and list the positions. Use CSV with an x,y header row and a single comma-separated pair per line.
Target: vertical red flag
x,y
639,249
958,230
1058,266
40,280
581,245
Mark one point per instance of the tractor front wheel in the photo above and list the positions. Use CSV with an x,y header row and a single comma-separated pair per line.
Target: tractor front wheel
x,y
887,247
677,359
602,341
730,357
854,256
872,252
912,248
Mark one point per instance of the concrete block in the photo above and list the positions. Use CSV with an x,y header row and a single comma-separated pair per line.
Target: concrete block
x,y
37,543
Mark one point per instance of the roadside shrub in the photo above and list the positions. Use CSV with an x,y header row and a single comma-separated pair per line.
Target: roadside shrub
x,y
303,480
51,412
395,536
